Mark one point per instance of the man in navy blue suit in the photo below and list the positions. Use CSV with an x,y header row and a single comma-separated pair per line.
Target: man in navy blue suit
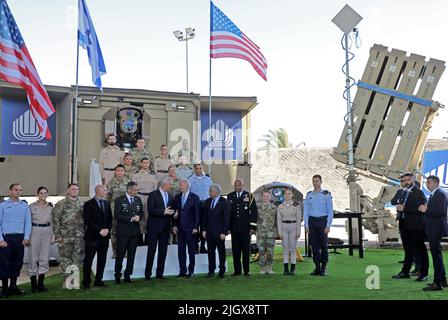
x,y
186,226
436,227
215,227
158,228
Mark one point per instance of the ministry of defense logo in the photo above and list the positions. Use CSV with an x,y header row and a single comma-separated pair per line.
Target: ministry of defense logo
x,y
25,128
221,136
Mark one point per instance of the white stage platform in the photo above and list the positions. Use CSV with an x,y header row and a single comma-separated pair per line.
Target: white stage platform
x,y
171,263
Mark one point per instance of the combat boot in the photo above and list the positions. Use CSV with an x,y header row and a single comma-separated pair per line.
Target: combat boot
x,y
323,270
270,271
293,270
40,286
285,269
33,284
262,270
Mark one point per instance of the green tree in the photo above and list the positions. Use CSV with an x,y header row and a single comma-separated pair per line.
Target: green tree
x,y
276,139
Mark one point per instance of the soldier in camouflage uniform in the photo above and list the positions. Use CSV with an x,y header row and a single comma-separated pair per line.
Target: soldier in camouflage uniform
x,y
173,176
116,188
140,152
68,226
266,233
129,168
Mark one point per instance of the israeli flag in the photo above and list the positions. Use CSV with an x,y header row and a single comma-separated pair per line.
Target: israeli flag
x,y
88,40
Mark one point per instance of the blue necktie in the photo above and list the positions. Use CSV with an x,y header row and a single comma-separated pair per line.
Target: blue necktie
x,y
213,203
165,198
184,198
132,200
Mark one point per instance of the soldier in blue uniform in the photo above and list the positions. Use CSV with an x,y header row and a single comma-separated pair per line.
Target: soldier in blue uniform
x,y
318,216
15,231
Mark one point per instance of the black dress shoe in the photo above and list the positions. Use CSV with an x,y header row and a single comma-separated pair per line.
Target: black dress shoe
x,y
316,272
15,291
421,278
85,286
433,287
210,274
182,275
128,280
161,277
117,281
401,275
147,278
221,275
190,275
235,274
247,274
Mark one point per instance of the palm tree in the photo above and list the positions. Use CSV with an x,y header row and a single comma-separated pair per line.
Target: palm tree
x,y
276,139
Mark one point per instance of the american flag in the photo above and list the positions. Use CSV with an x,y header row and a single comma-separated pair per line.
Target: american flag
x,y
227,41
17,67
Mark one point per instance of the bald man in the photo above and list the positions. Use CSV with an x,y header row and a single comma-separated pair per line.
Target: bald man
x,y
98,224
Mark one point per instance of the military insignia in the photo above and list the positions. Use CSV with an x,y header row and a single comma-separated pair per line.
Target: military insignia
x,y
128,120
277,192
246,198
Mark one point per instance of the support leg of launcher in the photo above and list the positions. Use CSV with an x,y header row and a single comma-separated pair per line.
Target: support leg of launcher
x,y
391,124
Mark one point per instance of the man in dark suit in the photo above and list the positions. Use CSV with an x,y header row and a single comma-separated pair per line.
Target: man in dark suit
x,y
160,215
128,212
186,226
215,226
436,228
414,229
98,223
243,218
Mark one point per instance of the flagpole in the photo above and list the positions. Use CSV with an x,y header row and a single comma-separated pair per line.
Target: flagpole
x,y
210,98
210,115
74,177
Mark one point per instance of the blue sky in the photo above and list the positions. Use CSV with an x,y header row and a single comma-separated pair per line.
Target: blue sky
x,y
301,44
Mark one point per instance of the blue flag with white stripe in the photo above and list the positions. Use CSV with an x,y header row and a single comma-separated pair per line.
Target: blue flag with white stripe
x,y
88,40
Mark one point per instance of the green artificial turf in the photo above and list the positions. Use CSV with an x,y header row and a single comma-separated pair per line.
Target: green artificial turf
x,y
346,280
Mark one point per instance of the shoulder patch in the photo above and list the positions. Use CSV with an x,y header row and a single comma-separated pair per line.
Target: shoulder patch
x,y
325,192
50,204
